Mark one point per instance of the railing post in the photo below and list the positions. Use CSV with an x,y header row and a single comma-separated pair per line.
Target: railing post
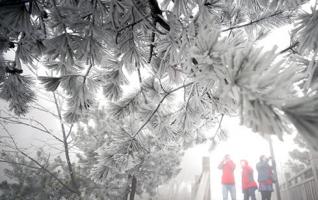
x,y
277,188
201,189
206,169
314,164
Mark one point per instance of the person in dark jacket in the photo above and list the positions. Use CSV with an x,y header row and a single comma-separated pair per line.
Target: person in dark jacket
x,y
227,166
265,178
248,183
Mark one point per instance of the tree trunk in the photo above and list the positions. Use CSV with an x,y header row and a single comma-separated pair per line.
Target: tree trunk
x,y
133,188
127,191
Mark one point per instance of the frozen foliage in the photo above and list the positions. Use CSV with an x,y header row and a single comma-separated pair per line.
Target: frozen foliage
x,y
113,158
191,62
31,181
306,31
299,157
16,90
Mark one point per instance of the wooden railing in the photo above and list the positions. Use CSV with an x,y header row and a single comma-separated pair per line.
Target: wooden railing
x,y
201,187
302,186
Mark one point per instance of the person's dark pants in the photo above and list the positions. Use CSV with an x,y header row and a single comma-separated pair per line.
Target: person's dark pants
x,y
266,195
250,192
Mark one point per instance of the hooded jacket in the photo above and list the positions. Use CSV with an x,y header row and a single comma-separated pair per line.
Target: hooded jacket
x,y
248,177
265,174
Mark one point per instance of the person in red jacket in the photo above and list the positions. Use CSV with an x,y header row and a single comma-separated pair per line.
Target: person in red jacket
x,y
248,183
227,166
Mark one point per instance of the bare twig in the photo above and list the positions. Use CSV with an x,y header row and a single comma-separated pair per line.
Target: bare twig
x,y
213,139
291,47
36,162
69,131
16,163
87,73
252,22
42,128
50,145
44,110
219,126
163,89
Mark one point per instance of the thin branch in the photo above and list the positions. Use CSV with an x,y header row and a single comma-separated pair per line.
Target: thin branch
x,y
69,131
43,25
132,24
67,156
152,46
16,163
48,145
139,76
11,116
219,126
291,47
187,106
163,89
253,22
44,129
37,163
158,106
213,139
45,98
140,82
91,60
43,110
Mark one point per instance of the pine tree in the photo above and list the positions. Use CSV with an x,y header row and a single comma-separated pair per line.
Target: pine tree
x,y
299,157
29,181
100,173
108,157
193,61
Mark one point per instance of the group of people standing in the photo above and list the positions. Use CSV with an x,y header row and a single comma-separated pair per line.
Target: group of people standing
x,y
249,186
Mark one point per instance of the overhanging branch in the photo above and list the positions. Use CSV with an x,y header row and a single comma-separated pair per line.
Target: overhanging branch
x,y
253,22
158,106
